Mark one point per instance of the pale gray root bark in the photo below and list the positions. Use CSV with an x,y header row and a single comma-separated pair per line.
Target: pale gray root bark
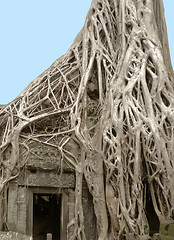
x,y
111,96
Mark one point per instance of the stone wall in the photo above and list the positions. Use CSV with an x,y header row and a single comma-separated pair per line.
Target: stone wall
x,y
13,236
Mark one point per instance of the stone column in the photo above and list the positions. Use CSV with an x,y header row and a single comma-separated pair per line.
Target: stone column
x,y
12,207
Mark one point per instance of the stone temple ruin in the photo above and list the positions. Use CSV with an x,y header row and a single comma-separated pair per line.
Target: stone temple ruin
x,y
86,150
41,199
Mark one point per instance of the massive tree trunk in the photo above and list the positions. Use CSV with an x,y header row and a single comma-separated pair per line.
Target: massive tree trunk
x,y
112,95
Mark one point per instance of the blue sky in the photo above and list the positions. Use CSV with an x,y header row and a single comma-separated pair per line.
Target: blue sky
x,y
34,33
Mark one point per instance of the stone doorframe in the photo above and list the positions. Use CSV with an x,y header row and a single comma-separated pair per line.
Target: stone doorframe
x,y
20,208
64,209
20,202
20,198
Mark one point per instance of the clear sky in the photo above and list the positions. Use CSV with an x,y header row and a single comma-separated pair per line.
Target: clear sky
x,y
34,33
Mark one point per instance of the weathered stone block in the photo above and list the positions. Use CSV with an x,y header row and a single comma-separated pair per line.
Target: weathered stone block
x,y
47,179
166,232
171,230
167,229
156,236
13,236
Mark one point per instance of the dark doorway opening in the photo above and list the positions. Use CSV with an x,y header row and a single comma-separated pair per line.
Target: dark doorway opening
x,y
151,215
46,216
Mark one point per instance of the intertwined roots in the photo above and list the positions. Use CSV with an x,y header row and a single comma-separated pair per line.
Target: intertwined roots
x,y
110,98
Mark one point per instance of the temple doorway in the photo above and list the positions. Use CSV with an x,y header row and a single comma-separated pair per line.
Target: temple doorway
x,y
46,216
